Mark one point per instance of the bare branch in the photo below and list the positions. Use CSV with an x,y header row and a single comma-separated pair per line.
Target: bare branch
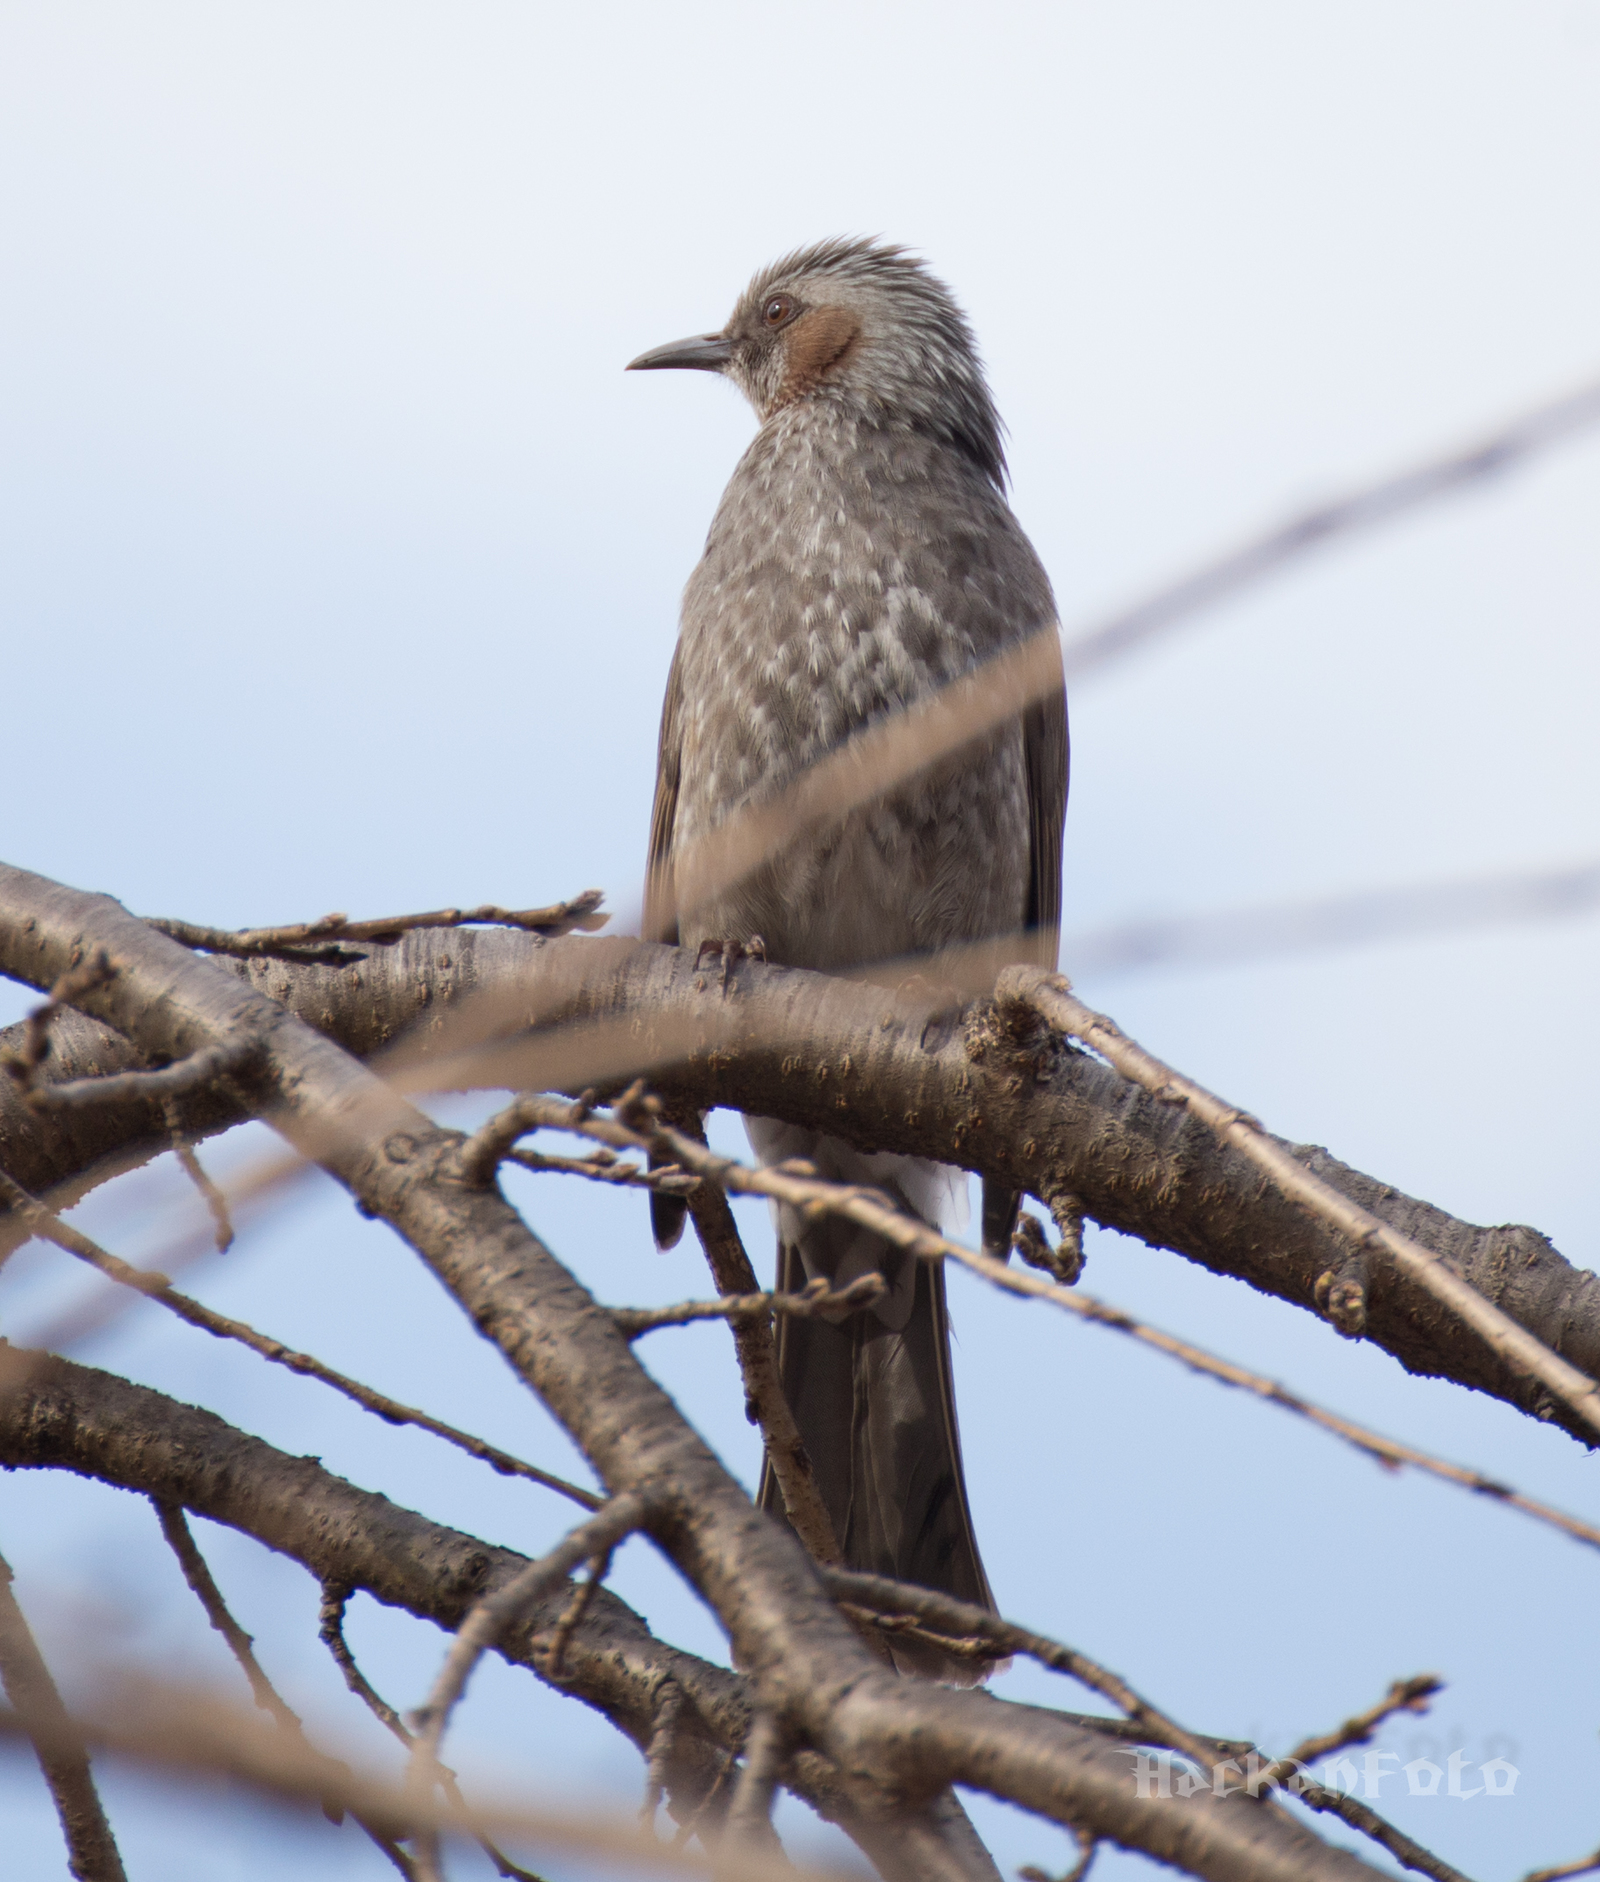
x,y
1585,1865
213,1197
943,1615
1051,996
330,1630
192,1733
1087,1847
175,1527
1369,915
170,1081
560,918
158,1288
1388,1452
907,1739
817,1297
1405,1695
92,1853
494,1613
1456,469
1015,1106
23,1061
602,1167
749,1824
658,1758
764,1400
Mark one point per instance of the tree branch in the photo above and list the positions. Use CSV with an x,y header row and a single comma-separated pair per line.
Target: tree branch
x,y
894,1739
92,1853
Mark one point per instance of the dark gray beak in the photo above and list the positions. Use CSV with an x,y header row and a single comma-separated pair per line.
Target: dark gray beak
x,y
706,352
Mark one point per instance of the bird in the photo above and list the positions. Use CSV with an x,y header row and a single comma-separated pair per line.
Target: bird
x,y
862,557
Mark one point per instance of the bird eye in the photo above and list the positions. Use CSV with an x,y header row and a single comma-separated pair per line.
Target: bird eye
x,y
777,310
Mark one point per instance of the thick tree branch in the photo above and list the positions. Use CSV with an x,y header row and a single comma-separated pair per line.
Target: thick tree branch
x,y
864,1065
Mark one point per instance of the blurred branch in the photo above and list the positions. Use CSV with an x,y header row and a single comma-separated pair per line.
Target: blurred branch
x,y
61,1416
92,1853
190,1732
1370,915
1457,469
880,758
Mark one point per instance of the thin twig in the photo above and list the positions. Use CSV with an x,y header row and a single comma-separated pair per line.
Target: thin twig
x,y
945,1615
962,1621
817,1298
489,1618
23,1064
572,1615
603,1167
1405,1695
1405,1850
49,1227
330,1630
196,1571
1050,995
1087,1847
175,1527
765,1403
214,1199
168,1081
1585,1865
92,1853
1388,1452
558,919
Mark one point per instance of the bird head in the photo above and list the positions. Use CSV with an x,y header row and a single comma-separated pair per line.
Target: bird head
x,y
857,324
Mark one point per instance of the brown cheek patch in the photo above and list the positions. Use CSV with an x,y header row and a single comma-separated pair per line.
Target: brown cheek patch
x,y
817,342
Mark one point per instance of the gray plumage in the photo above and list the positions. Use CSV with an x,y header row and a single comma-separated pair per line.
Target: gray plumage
x,y
863,556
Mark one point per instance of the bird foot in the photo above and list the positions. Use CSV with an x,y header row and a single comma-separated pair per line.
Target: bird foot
x,y
731,953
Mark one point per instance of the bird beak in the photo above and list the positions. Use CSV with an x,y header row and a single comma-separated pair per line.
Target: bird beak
x,y
706,352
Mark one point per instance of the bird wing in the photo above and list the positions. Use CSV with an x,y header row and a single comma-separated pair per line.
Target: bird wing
x,y
660,899
1046,754
1046,759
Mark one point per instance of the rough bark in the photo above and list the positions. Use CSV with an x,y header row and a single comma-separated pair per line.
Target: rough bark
x,y
871,1067
898,1742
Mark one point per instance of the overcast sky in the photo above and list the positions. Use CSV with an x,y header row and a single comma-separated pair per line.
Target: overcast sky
x,y
339,566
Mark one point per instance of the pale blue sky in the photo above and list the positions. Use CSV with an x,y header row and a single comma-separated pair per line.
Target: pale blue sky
x,y
339,566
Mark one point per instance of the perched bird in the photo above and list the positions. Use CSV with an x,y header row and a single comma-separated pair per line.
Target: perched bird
x,y
862,558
